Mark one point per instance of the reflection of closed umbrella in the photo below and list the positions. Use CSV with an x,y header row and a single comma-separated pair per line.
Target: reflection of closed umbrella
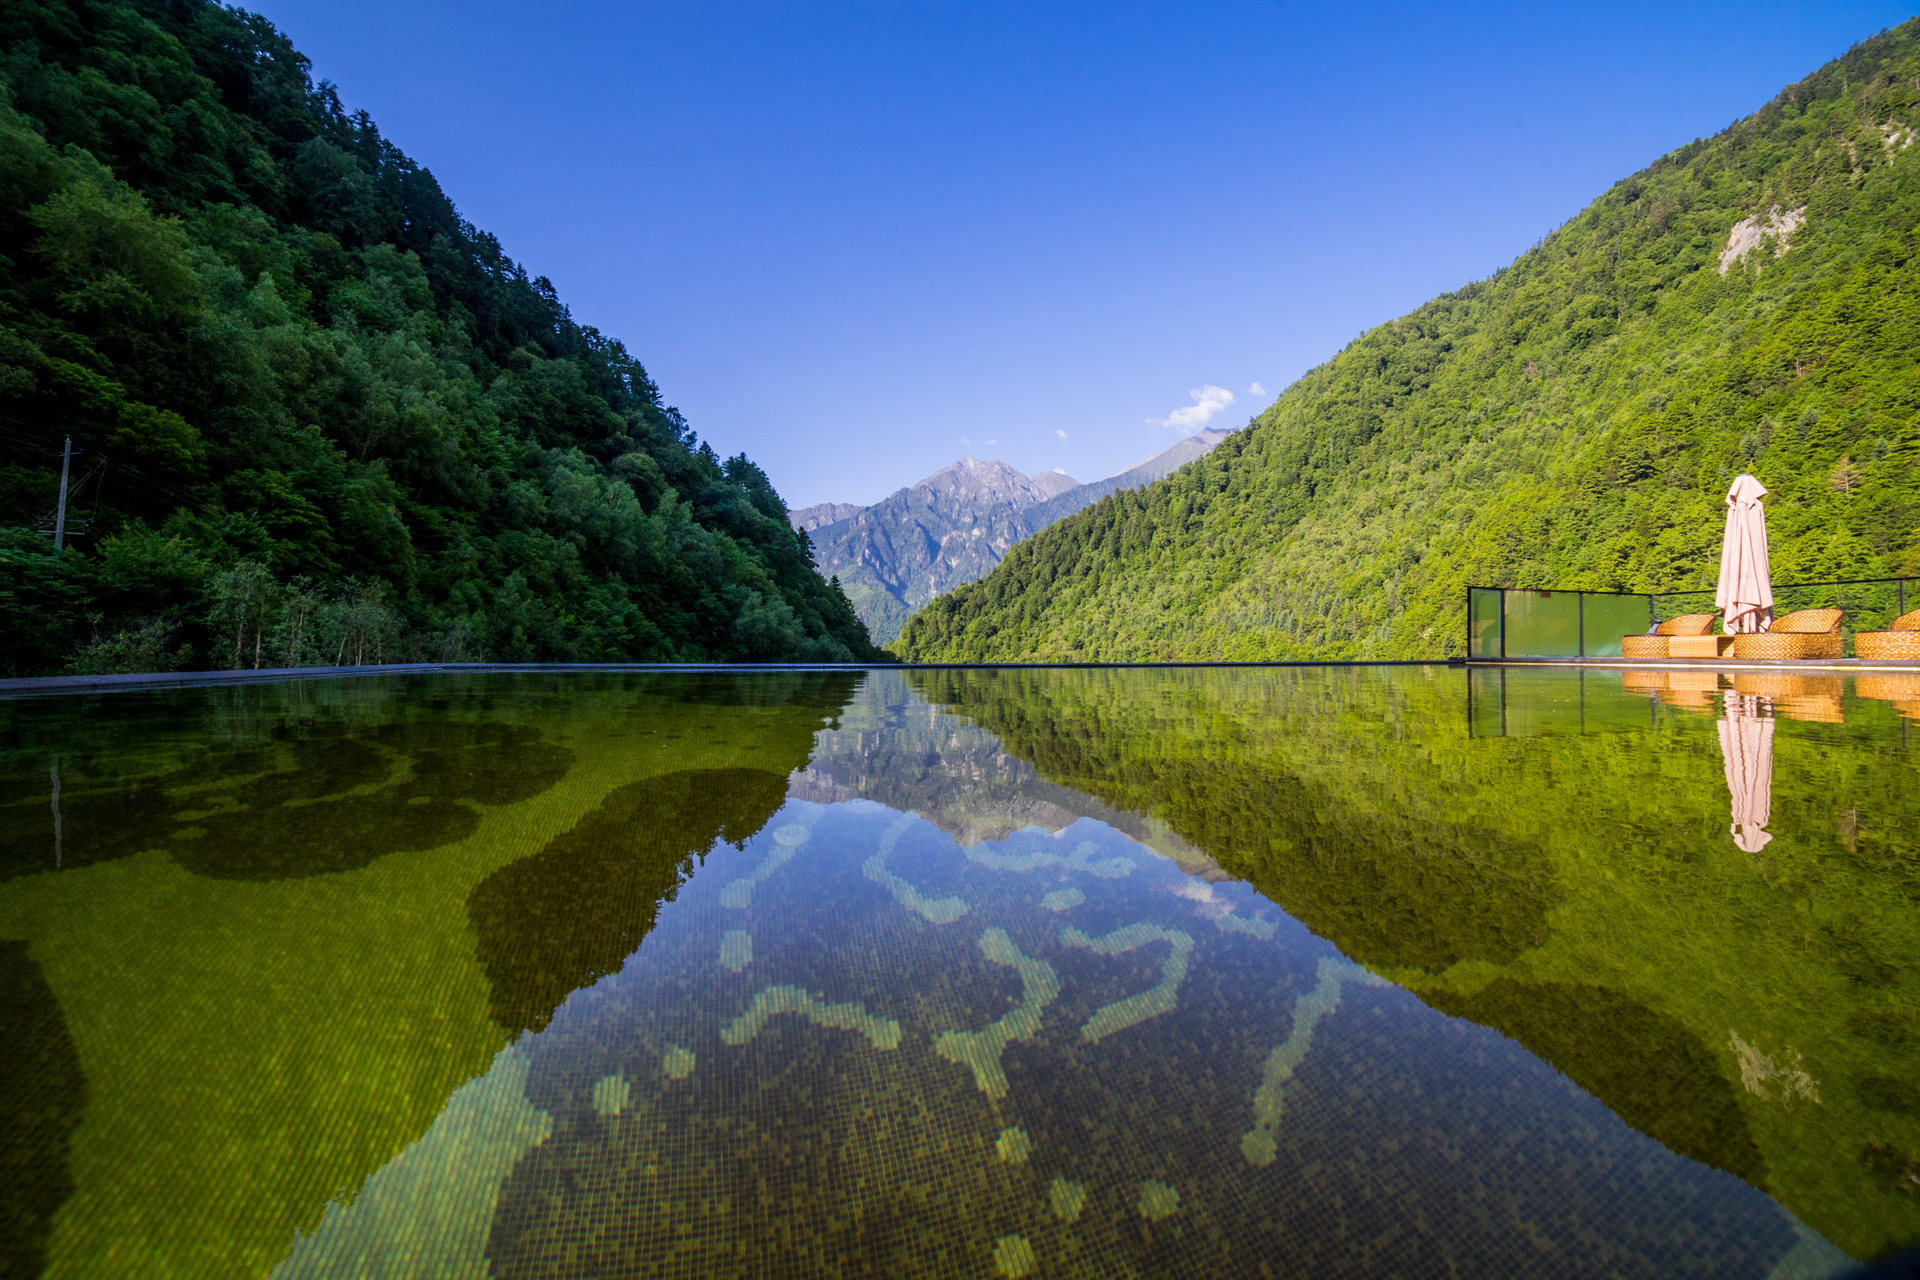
x,y
1745,593
1746,745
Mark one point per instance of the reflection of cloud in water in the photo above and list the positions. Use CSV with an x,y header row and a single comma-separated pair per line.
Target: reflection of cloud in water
x,y
1063,899
736,950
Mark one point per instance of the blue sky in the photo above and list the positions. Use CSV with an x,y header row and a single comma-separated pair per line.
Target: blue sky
x,y
861,241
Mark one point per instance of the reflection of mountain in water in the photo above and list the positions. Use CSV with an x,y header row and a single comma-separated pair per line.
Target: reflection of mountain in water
x,y
1576,892
896,750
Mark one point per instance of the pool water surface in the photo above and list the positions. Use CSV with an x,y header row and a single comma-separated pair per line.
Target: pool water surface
x,y
1335,971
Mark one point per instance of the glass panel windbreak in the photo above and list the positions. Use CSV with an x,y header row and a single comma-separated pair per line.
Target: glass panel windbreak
x,y
1542,624
916,974
1483,622
1606,618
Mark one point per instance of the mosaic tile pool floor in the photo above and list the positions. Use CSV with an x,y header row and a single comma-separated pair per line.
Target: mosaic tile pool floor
x,y
1323,972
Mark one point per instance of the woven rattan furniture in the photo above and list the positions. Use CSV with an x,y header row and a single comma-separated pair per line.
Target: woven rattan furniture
x,y
1655,645
1889,688
1810,633
1695,689
1795,696
1902,691
1900,642
1699,646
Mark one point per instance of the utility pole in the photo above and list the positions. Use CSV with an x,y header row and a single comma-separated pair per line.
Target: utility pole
x,y
60,517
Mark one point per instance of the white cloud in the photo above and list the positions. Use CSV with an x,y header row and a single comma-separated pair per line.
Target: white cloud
x,y
1207,401
993,442
1256,390
965,441
1060,433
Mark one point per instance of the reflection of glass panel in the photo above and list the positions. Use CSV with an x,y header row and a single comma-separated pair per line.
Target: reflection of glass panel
x,y
1542,703
1543,624
1607,618
1486,715
1483,623
1610,705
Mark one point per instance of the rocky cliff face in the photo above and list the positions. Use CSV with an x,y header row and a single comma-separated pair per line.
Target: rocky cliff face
x,y
822,513
953,527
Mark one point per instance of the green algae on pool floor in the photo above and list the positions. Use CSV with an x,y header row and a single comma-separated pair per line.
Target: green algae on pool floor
x,y
957,973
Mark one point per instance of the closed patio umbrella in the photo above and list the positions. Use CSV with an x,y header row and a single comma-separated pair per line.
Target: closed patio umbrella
x,y
1746,748
1745,593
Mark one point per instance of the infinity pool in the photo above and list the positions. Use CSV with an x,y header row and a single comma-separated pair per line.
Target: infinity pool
x,y
1310,971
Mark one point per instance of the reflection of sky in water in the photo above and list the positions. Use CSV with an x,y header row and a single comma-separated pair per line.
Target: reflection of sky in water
x,y
946,1012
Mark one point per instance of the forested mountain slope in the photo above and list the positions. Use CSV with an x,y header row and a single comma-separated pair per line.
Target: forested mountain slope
x,y
1164,463
1750,301
321,417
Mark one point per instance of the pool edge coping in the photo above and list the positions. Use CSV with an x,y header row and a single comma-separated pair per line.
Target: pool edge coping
x,y
23,686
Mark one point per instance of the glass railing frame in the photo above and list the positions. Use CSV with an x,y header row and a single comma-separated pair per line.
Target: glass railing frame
x,y
1653,599
1581,620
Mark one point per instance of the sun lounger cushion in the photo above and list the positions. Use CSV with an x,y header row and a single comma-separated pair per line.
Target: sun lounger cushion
x,y
1807,622
1693,624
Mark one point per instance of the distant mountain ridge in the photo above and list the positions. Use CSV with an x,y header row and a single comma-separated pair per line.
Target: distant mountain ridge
x,y
1198,445
823,513
953,527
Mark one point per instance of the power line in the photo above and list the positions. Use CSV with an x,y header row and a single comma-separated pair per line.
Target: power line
x,y
159,490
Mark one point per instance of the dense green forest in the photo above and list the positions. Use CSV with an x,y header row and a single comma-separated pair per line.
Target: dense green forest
x,y
319,417
1573,421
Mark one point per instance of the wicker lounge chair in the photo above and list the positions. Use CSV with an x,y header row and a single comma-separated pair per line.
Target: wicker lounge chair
x,y
1902,691
1655,645
1692,689
1795,696
1809,633
1900,642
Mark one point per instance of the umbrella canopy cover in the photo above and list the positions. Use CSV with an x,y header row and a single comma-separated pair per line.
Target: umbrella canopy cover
x,y
1745,593
1746,751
